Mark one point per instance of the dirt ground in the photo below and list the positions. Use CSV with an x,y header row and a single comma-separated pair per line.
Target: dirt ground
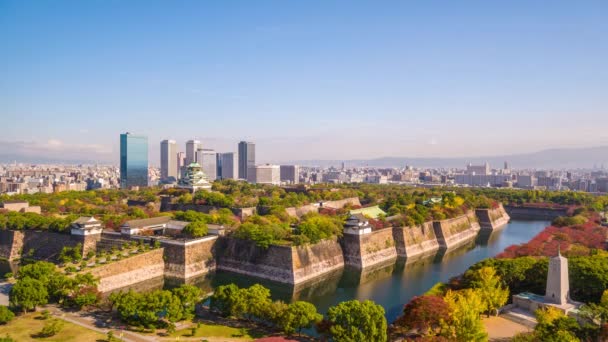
x,y
502,329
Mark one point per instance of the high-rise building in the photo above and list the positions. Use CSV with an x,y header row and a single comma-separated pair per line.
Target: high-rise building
x,y
227,165
168,161
478,169
133,160
246,158
191,147
264,174
291,174
181,163
207,159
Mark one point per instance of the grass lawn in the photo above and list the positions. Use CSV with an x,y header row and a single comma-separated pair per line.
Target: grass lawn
x,y
214,330
21,328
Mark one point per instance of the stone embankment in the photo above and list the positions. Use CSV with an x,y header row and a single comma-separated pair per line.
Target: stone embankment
x,y
415,241
534,213
492,218
361,251
284,264
129,271
456,231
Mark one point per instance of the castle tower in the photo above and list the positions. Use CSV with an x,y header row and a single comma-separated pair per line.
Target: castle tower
x,y
558,288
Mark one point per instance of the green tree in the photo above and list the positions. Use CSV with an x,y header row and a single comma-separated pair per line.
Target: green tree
x,y
354,321
28,293
196,229
492,293
466,325
554,326
189,296
225,298
299,315
6,315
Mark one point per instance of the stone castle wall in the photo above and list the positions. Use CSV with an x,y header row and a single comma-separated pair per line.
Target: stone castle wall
x,y
339,204
492,218
312,261
244,257
187,259
362,251
456,231
42,245
284,264
533,213
129,271
11,244
415,241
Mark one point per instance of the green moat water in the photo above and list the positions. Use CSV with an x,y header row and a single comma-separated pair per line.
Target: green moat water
x,y
392,285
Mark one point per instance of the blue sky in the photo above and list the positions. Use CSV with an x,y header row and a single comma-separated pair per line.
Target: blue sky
x,y
305,80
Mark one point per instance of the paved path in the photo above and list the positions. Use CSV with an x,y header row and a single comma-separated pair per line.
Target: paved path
x,y
89,322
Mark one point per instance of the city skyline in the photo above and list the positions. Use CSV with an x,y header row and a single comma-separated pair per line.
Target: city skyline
x,y
421,80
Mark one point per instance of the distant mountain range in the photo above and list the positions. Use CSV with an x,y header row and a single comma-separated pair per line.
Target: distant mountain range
x,y
570,158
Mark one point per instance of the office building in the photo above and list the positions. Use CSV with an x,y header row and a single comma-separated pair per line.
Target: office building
x,y
478,169
246,158
133,160
227,166
191,147
181,164
264,174
168,161
290,174
207,159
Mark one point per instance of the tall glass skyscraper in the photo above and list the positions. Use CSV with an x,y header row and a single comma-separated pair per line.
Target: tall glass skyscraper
x,y
133,160
246,157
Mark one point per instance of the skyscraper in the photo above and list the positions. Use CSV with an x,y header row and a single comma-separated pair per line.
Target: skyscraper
x,y
227,164
207,159
181,160
246,158
168,160
133,160
191,147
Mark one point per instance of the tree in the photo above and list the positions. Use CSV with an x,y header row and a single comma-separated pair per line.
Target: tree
x,y
224,299
357,321
596,312
554,326
299,315
6,315
196,229
189,296
28,293
492,293
466,325
425,313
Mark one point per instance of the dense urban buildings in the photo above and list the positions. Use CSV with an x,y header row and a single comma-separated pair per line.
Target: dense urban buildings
x,y
246,158
133,160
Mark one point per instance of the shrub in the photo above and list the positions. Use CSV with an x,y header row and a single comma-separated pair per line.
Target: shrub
x,y
51,328
6,315
195,229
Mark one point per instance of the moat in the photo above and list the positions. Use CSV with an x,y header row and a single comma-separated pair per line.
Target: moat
x,y
394,284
